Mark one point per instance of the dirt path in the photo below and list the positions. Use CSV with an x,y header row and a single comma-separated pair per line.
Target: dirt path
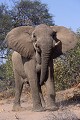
x,y
68,112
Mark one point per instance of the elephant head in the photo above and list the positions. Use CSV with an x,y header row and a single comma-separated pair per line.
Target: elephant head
x,y
49,41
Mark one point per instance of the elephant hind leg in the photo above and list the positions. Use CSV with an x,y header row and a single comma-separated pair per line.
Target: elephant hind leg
x,y
18,90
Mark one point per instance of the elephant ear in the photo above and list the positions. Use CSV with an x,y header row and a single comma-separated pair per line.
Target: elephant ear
x,y
66,36
19,40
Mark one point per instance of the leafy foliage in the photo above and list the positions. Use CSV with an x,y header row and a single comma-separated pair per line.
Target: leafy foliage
x,y
5,22
6,75
5,26
67,69
29,12
8,68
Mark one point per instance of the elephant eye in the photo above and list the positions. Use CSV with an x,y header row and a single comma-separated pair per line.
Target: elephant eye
x,y
34,35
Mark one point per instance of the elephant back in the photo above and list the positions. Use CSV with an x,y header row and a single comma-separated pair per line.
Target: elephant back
x,y
19,40
66,36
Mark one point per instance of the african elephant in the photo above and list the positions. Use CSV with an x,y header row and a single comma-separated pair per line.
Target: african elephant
x,y
37,46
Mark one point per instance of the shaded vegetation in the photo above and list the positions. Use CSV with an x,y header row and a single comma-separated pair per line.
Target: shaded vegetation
x,y
67,69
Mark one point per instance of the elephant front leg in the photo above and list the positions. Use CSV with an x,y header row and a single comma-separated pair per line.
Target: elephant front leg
x,y
18,91
40,91
42,98
30,70
50,85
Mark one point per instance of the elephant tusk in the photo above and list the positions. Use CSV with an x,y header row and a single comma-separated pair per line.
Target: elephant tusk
x,y
57,43
35,46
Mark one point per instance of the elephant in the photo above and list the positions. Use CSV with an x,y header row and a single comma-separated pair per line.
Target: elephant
x,y
34,50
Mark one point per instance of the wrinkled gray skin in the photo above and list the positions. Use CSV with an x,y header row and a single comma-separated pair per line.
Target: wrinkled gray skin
x,y
34,51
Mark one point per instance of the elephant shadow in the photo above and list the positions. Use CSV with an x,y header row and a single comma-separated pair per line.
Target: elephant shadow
x,y
66,103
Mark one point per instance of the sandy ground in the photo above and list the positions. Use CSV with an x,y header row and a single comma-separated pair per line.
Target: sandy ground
x,y
68,110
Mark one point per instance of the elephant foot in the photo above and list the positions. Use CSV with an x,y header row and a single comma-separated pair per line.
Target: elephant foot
x,y
18,108
41,109
44,105
52,108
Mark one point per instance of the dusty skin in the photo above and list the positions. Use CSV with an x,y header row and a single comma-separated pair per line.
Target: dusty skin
x,y
51,41
68,110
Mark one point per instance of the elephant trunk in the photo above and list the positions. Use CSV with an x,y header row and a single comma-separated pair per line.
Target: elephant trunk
x,y
45,58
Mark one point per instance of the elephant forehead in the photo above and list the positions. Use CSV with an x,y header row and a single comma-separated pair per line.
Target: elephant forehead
x,y
21,29
43,29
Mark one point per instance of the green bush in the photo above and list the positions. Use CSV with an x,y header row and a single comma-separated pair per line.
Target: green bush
x,y
67,69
